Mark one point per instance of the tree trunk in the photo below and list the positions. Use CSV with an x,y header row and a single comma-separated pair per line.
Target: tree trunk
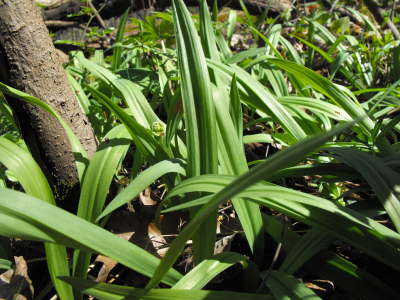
x,y
29,63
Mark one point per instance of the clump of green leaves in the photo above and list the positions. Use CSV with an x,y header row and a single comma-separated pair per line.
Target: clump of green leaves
x,y
176,91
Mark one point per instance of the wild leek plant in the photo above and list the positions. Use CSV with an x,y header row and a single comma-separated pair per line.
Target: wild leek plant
x,y
195,143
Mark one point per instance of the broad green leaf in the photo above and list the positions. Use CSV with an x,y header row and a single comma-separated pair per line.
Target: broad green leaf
x,y
29,218
114,292
233,161
96,185
260,98
119,39
200,117
341,25
340,222
249,18
142,181
286,158
101,73
80,155
231,26
382,179
6,110
328,265
84,103
331,90
143,139
285,286
333,111
198,277
32,179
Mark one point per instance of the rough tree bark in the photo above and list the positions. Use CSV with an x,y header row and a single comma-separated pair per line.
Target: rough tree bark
x,y
114,8
29,63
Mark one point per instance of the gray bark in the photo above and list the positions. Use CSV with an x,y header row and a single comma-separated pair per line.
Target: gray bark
x,y
29,63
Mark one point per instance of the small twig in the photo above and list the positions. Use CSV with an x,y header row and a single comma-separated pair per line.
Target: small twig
x,y
333,6
278,249
36,260
98,17
63,24
144,8
162,196
225,208
248,148
117,275
91,18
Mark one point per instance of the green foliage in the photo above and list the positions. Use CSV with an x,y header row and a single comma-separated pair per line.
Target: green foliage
x,y
178,99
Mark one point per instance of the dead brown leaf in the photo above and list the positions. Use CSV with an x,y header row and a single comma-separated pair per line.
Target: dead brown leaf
x,y
138,228
16,279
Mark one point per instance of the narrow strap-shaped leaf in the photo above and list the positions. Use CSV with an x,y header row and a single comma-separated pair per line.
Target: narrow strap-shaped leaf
x,y
309,245
233,161
333,219
231,26
249,18
199,116
4,108
80,155
119,39
114,292
144,140
207,39
144,180
84,103
198,277
148,146
285,286
273,37
328,265
382,179
259,97
282,159
27,217
315,240
96,185
135,100
101,73
235,109
35,184
331,90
